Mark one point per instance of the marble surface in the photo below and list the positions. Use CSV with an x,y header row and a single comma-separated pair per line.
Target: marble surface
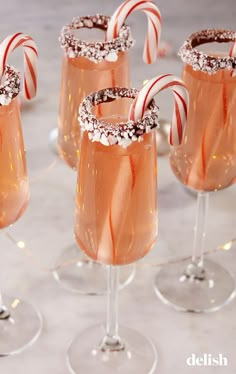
x,y
46,227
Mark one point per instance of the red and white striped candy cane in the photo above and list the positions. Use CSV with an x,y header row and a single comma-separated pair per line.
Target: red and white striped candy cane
x,y
181,99
154,25
232,53
30,60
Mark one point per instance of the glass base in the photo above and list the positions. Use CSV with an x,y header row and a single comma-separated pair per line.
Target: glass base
x,y
77,273
85,355
20,326
52,140
189,288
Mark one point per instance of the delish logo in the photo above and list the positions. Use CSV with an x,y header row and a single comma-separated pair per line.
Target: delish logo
x,y
207,359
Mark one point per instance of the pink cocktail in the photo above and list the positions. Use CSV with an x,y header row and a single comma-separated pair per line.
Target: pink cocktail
x,y
121,227
14,184
20,323
116,219
205,161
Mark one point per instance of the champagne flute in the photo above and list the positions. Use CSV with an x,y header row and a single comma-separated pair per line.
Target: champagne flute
x,y
116,222
204,162
21,323
81,75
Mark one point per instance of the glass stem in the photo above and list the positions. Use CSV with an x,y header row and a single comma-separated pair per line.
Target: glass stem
x,y
112,341
200,229
112,302
4,312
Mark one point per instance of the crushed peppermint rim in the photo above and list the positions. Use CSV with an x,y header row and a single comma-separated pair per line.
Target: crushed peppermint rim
x,y
95,51
201,61
10,86
123,133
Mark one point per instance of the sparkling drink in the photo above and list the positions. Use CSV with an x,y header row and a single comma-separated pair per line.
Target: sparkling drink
x,y
20,322
90,62
206,160
116,206
116,198
14,186
83,73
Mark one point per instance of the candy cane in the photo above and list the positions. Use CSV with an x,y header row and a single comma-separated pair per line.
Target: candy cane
x,y
181,98
154,25
30,60
232,53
